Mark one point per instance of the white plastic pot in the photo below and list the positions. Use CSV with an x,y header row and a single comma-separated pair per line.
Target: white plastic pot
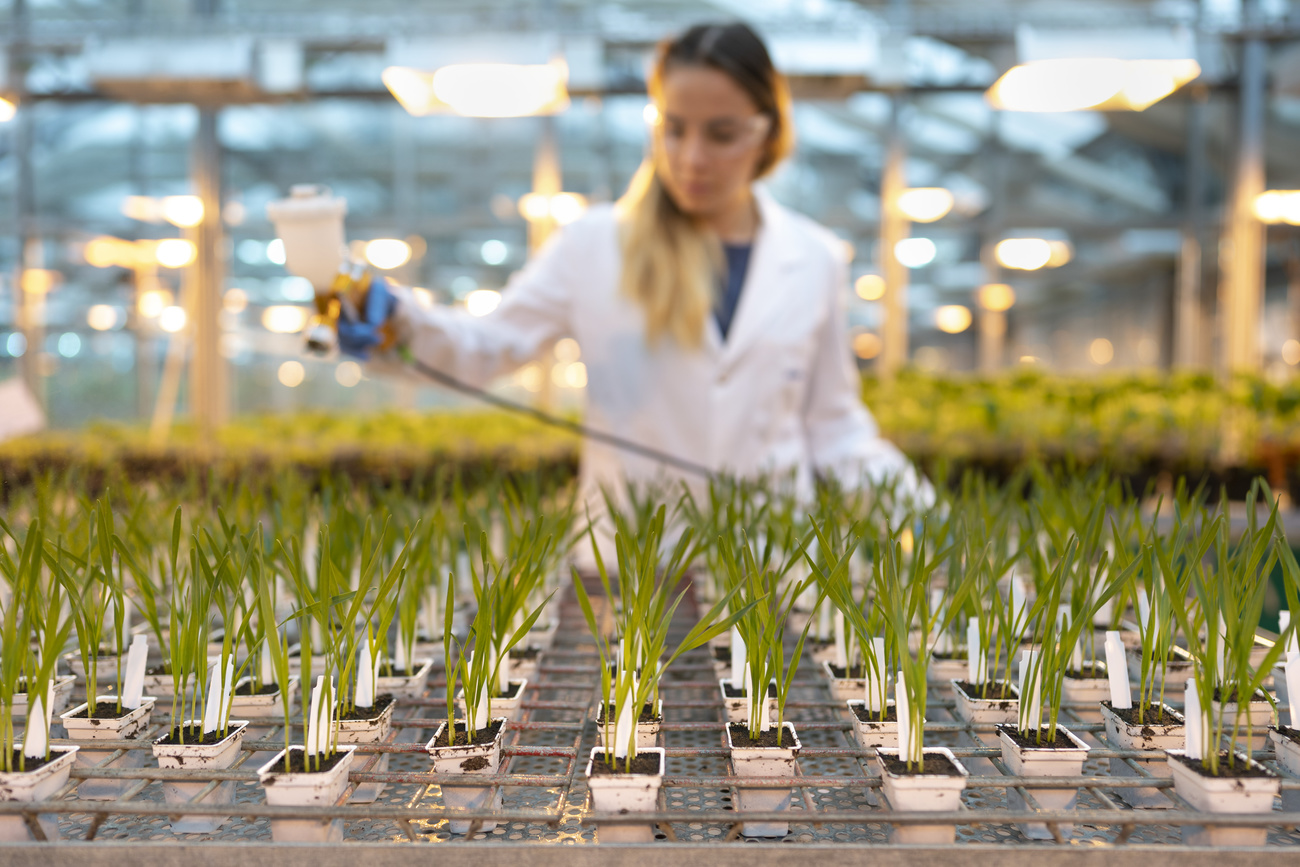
x,y
873,735
542,635
974,710
523,667
1176,672
303,789
129,726
503,707
821,651
942,672
1258,716
369,731
1226,795
471,795
844,688
403,686
1121,735
647,733
926,792
1084,694
1288,756
62,697
624,793
105,671
200,757
737,707
1043,762
38,785
260,707
764,762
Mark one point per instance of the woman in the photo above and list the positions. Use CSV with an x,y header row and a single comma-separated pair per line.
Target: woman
x,y
710,318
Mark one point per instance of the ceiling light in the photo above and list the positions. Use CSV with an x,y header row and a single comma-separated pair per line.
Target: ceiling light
x,y
481,89
952,318
915,252
925,204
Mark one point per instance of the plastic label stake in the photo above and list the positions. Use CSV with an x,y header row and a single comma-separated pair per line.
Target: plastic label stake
x,y
318,729
1195,721
841,642
977,660
133,680
36,740
1293,689
1117,672
1031,708
737,658
877,681
365,677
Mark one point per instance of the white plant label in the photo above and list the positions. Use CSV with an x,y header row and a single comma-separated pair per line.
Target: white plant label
x,y
484,710
463,582
909,736
824,620
1031,709
212,704
365,676
265,670
402,653
1292,640
737,658
877,682
841,642
36,739
764,712
133,679
318,726
1293,689
1019,597
1195,721
943,642
1121,695
227,687
625,722
431,612
1144,607
977,659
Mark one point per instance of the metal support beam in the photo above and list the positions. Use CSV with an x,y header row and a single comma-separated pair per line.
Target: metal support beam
x,y
29,307
1188,350
208,400
1241,288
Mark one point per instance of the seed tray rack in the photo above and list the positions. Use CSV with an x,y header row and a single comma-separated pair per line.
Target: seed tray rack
x,y
835,810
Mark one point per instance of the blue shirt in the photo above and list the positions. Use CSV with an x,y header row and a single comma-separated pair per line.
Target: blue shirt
x,y
729,299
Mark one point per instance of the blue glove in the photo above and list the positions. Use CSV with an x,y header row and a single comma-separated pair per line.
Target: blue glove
x,y
357,338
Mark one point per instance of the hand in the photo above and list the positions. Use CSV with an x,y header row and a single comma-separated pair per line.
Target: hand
x,y
358,336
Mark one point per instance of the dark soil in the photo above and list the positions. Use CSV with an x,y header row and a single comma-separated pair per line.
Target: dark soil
x,y
513,691
987,691
477,763
1088,672
949,657
193,736
645,763
740,738
1034,743
158,670
367,713
722,654
29,764
298,764
1154,716
264,689
731,691
528,653
648,715
871,717
1239,769
1232,697
857,672
481,737
935,766
102,710
387,670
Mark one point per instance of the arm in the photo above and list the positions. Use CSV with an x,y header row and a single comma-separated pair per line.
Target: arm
x,y
534,313
843,438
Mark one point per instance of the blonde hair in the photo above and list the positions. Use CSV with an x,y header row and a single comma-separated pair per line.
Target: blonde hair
x,y
670,262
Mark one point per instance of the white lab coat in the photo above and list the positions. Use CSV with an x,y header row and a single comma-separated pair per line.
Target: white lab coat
x,y
780,394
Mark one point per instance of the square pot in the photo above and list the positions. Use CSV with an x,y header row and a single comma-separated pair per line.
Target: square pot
x,y
509,708
260,707
927,792
1122,735
1043,762
129,726
976,711
1224,794
625,793
1085,694
1288,756
306,789
105,672
469,762
1258,716
844,688
647,733
1176,672
764,762
404,686
737,707
200,757
38,785
873,735
62,697
942,670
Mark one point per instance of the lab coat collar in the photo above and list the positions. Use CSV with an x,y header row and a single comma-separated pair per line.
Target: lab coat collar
x,y
777,250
